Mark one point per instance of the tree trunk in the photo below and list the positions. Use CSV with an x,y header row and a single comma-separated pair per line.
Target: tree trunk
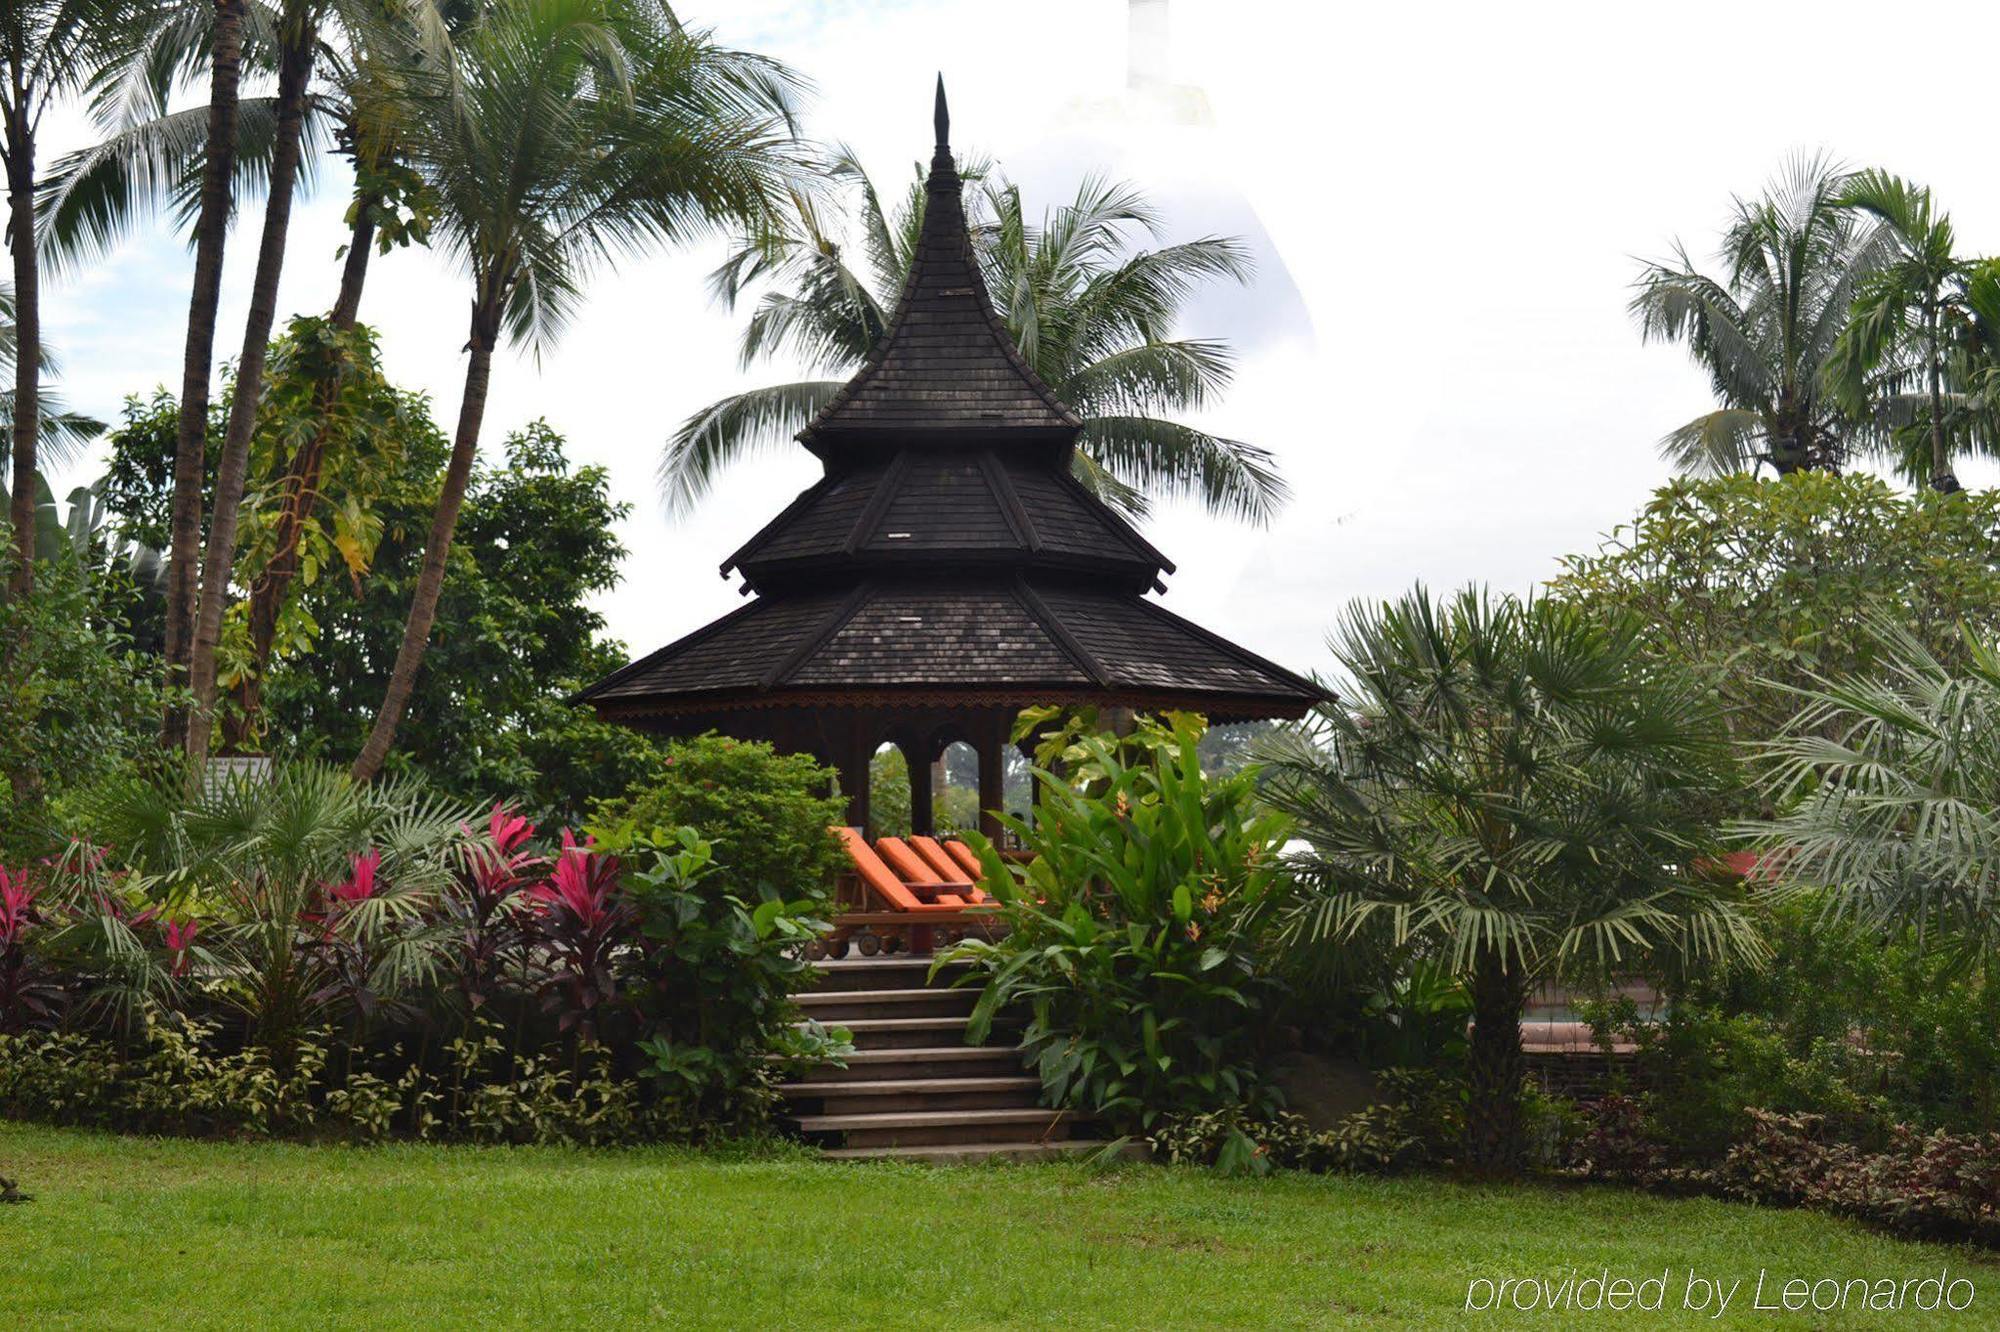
x,y
27,337
1494,1140
295,69
430,581
211,231
301,489
1941,477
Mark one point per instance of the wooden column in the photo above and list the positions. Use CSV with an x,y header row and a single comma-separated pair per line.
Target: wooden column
x,y
854,764
992,773
921,805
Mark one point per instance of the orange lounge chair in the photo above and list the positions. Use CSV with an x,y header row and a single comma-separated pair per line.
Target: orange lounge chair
x,y
949,869
900,895
967,858
913,869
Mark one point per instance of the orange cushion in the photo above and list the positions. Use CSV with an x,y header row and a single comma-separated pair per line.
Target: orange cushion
x,y
948,869
966,857
896,853
939,860
890,888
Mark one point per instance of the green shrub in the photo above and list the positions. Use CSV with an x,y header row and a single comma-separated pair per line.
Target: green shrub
x,y
712,978
176,1078
766,814
1135,936
1418,1125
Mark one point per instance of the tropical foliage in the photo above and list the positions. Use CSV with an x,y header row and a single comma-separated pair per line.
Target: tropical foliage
x,y
1886,784
1511,789
1766,588
1767,328
1135,936
767,814
327,950
566,133
1096,318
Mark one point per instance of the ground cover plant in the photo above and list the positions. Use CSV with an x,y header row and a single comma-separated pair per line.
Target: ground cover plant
x,y
669,1238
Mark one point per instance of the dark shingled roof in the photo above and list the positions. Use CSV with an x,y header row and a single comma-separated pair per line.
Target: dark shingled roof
x,y
948,556
965,508
945,361
943,634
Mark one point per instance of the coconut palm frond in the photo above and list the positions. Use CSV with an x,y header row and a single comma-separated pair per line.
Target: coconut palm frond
x,y
741,425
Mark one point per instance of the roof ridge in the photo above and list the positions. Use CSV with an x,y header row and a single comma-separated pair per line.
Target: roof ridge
x,y
1052,625
811,643
1001,487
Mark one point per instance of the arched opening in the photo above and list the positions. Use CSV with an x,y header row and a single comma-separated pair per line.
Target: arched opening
x,y
955,789
888,792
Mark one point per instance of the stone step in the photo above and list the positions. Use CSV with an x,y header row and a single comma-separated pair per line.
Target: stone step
x,y
906,1033
936,1061
935,1128
887,1095
972,1153
880,973
844,1006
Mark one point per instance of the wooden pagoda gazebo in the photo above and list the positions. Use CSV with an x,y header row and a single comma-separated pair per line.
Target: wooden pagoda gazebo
x,y
946,572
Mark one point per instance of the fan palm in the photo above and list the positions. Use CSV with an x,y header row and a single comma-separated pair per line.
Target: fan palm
x,y
257,859
568,132
1895,360
1508,791
49,49
1092,316
1766,331
1888,786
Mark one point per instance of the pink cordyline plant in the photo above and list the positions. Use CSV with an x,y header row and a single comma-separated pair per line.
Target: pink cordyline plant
x,y
581,918
360,884
26,994
486,904
17,906
179,936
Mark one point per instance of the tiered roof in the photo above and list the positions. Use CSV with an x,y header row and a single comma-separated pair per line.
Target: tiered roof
x,y
948,554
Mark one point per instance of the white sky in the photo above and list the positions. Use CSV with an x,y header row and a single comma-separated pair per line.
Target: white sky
x,y
1455,193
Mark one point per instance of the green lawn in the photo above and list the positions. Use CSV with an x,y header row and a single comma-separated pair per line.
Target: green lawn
x,y
130,1233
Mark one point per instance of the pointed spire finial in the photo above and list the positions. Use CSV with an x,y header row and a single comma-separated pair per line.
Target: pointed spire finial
x,y
942,116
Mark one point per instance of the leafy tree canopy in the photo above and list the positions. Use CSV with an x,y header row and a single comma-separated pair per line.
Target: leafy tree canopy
x,y
1765,587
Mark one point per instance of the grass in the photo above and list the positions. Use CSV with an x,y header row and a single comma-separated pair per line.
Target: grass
x,y
134,1233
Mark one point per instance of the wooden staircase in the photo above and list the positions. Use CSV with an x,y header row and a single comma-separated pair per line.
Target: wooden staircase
x,y
913,1089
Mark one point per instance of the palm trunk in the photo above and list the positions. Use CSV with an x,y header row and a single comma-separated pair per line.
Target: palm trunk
x,y
27,336
1941,477
295,69
1494,1140
301,490
211,230
430,582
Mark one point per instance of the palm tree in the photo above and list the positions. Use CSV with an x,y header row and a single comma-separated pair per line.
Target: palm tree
x,y
61,434
1091,315
1766,331
568,132
49,49
1905,320
149,157
1887,785
1508,792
